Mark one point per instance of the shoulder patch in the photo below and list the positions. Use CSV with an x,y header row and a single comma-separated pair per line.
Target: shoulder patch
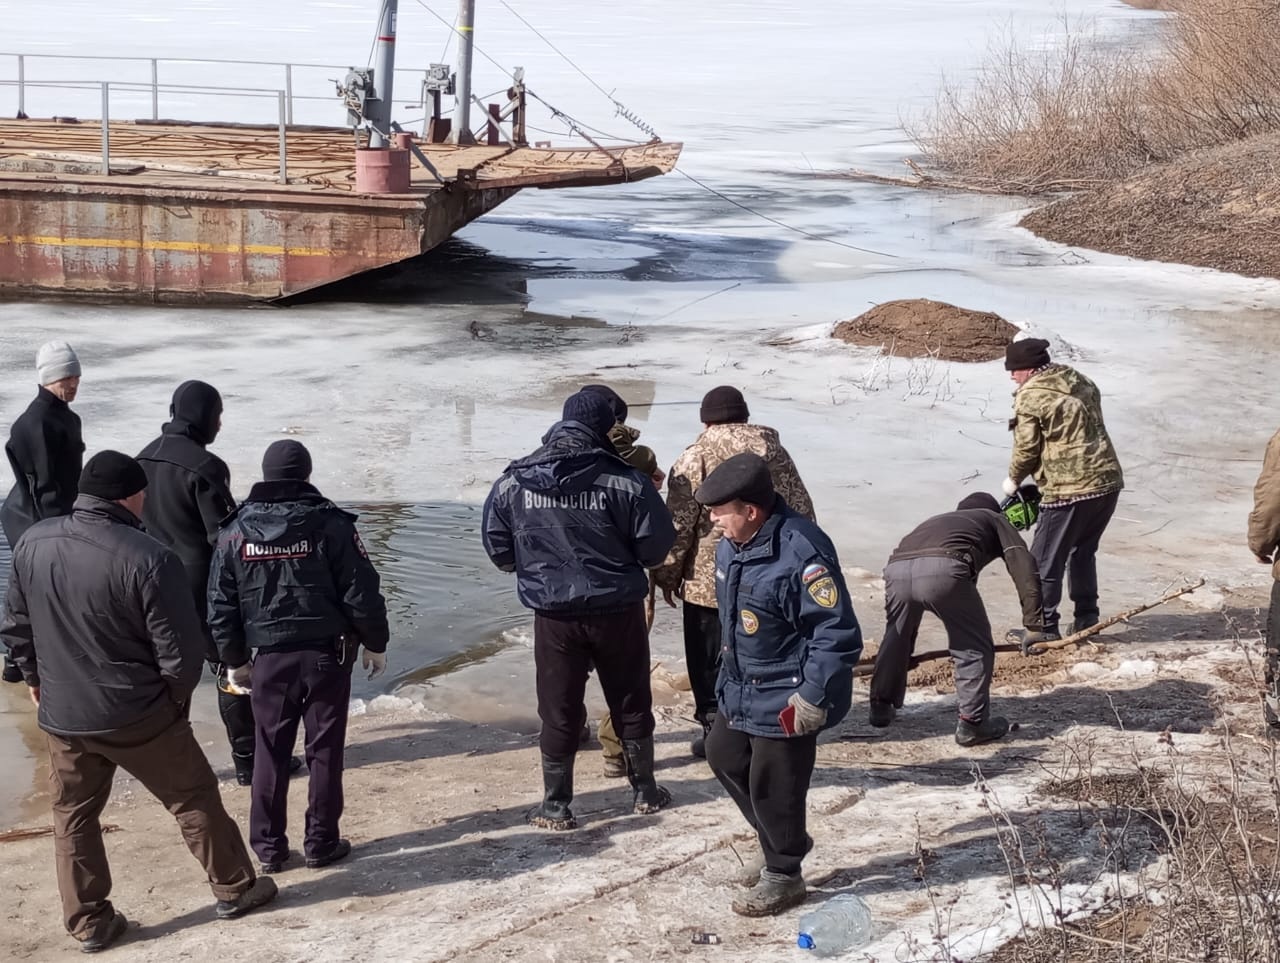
x,y
813,572
824,592
750,623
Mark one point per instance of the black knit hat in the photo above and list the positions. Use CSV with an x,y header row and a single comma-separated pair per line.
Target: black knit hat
x,y
286,460
1027,354
979,500
591,409
745,476
112,476
723,405
616,404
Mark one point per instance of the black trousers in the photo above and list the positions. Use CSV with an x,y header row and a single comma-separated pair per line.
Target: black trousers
x,y
1066,543
702,656
313,687
564,648
945,587
769,780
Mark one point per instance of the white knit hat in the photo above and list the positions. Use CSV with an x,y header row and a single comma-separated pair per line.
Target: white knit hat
x,y
56,360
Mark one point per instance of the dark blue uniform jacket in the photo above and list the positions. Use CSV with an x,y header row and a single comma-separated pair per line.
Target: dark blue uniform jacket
x,y
290,572
577,524
786,625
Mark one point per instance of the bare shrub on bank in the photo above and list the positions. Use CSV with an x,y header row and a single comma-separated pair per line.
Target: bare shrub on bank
x,y
1088,110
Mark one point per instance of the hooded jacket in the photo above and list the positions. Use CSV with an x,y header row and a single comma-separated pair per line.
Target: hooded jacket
x,y
98,616
1264,520
1059,437
690,566
787,625
188,489
577,525
46,455
289,572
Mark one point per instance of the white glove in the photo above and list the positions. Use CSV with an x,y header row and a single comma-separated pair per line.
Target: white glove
x,y
809,718
375,662
241,676
1010,486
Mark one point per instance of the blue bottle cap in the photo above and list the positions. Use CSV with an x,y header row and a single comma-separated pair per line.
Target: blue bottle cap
x,y
804,941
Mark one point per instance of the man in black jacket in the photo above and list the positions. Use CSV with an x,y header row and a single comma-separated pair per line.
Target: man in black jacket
x,y
579,527
188,496
290,579
935,569
45,452
99,621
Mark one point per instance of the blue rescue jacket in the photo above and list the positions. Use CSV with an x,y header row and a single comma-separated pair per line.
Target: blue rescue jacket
x,y
577,524
786,625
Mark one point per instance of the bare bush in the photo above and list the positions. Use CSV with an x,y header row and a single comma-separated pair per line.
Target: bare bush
x,y
1087,111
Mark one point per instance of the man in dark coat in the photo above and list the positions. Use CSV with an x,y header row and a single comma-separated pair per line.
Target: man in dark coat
x,y
790,640
102,627
579,527
188,496
45,452
935,569
291,582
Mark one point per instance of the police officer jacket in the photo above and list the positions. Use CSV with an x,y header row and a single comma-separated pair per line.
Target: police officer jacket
x,y
786,624
46,454
290,572
577,524
188,488
98,617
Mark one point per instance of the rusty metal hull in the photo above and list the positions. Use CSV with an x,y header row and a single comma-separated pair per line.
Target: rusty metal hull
x,y
195,212
175,245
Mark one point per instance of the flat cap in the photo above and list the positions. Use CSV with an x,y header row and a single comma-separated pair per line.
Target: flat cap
x,y
745,476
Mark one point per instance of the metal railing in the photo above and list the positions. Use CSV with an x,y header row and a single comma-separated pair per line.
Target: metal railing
x,y
155,63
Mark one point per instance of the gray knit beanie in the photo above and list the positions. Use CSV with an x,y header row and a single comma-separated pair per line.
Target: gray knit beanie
x,y
56,360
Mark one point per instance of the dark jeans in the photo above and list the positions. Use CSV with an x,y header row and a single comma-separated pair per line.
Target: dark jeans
x,y
945,587
312,687
702,656
769,780
564,648
161,752
1066,542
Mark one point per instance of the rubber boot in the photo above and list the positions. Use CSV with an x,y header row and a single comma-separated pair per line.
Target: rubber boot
x,y
774,893
976,733
648,797
881,714
699,744
557,783
1026,638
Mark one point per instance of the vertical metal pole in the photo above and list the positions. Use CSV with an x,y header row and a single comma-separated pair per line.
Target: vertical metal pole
x,y
106,128
22,86
288,90
384,75
284,129
461,133
155,90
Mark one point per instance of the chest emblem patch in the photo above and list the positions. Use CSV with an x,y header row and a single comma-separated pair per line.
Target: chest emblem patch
x,y
824,592
750,624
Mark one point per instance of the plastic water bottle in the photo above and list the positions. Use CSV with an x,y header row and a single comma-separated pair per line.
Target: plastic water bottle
x,y
839,924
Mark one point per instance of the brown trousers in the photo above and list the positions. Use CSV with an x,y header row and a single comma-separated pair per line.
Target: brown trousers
x,y
161,752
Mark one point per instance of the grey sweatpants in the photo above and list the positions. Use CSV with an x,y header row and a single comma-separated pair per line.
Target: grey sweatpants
x,y
947,588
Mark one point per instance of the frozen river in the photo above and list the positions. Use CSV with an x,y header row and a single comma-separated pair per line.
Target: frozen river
x,y
414,396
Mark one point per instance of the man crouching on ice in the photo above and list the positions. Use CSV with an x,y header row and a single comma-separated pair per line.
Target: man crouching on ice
x,y
790,640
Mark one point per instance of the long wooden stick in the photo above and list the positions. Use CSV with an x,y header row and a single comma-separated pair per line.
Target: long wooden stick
x,y
17,835
866,664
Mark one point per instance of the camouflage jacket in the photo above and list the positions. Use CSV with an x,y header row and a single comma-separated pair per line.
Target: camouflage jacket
x,y
1264,520
624,439
690,567
1059,436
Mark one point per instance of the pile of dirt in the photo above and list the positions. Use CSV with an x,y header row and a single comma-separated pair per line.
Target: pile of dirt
x,y
920,328
1217,208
